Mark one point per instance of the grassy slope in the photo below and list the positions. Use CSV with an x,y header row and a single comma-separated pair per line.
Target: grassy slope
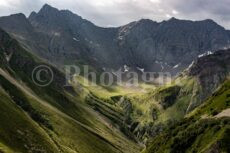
x,y
72,126
178,110
219,101
141,103
193,136
62,120
18,130
79,131
176,97
200,131
149,109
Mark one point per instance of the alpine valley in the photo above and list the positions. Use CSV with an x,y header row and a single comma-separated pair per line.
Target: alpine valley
x,y
190,114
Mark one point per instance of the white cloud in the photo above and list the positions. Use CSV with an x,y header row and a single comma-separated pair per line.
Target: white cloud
x,y
168,15
174,12
4,4
155,1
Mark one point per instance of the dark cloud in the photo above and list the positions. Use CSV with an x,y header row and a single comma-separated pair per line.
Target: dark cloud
x,y
120,12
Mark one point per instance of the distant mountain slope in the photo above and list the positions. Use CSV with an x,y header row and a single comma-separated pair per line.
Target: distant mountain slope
x,y
210,71
147,114
48,119
193,86
194,109
63,37
170,43
205,130
71,34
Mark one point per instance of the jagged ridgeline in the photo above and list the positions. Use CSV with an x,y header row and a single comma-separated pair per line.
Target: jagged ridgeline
x,y
190,114
63,37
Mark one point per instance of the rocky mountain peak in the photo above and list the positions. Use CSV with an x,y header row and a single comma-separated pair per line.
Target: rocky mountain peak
x,y
173,19
210,21
19,16
46,13
47,9
32,15
146,21
50,18
16,23
165,46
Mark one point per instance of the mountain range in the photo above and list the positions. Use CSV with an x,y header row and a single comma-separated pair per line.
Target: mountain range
x,y
190,114
169,45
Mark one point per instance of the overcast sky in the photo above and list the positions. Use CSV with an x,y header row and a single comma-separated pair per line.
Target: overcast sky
x,y
119,12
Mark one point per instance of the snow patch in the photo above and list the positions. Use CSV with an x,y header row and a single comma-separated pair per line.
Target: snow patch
x,y
120,37
76,39
141,69
176,66
57,34
205,54
126,68
190,65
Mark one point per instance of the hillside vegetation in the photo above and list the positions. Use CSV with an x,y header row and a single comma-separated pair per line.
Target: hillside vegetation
x,y
203,130
48,119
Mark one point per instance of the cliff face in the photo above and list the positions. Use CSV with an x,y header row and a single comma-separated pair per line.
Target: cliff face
x,y
60,36
173,43
210,71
